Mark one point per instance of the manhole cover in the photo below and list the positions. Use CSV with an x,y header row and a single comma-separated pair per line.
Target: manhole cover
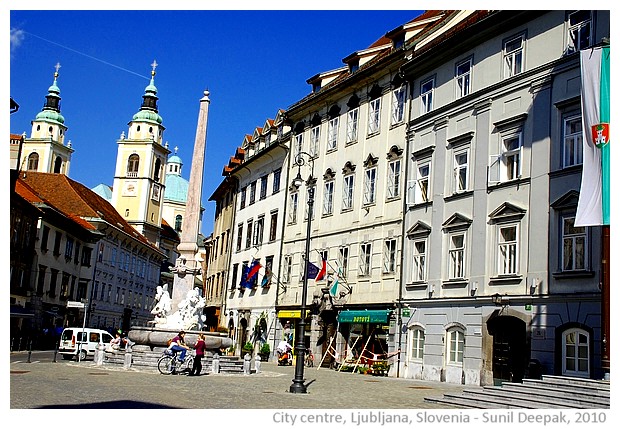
x,y
419,387
19,372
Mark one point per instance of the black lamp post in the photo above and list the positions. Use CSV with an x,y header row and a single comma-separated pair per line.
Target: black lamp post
x,y
298,385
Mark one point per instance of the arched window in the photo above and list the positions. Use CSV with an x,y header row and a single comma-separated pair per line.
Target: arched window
x,y
132,165
33,161
157,168
416,343
58,165
178,220
576,353
455,346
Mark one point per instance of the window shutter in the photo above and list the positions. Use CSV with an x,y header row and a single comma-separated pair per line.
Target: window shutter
x,y
521,160
386,257
494,169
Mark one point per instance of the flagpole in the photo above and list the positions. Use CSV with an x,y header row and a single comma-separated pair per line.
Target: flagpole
x,y
605,297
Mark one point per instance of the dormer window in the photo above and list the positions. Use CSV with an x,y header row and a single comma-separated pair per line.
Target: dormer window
x,y
316,86
354,66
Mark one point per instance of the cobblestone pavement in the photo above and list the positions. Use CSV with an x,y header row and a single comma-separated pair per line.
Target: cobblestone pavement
x,y
69,384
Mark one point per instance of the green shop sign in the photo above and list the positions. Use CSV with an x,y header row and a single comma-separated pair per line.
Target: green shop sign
x,y
363,316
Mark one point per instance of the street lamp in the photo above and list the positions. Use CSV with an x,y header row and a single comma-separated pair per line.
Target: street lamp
x,y
298,385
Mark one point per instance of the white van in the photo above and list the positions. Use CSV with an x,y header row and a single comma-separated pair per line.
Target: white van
x,y
86,338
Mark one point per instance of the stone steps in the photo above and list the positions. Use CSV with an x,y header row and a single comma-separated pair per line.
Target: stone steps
x,y
550,392
146,358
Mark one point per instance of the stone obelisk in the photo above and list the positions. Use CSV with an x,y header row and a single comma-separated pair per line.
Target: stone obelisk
x,y
187,267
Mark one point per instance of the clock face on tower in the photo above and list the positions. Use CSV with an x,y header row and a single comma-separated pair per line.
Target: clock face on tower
x,y
130,188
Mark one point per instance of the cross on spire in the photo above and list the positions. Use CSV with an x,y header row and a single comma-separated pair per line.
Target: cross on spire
x,y
154,65
176,148
57,67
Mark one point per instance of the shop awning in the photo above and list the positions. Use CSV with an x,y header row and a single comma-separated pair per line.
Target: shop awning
x,y
19,311
363,316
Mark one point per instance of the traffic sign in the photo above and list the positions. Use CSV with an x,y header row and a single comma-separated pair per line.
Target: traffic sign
x,y
75,304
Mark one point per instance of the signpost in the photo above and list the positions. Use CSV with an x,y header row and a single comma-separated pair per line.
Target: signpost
x,y
79,304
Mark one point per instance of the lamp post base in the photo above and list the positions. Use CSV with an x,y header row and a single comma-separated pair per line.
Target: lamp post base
x,y
298,387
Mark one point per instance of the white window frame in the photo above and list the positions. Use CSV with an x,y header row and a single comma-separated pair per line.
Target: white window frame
x,y
514,56
419,189
416,343
507,250
460,169
507,165
374,116
328,198
299,144
343,260
248,237
455,346
457,256
398,104
286,269
571,235
332,134
427,89
347,192
315,138
463,78
575,31
572,147
370,186
365,259
393,179
419,260
574,358
352,125
389,256
294,201
259,229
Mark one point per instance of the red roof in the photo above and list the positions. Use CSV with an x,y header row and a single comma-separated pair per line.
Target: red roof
x,y
77,202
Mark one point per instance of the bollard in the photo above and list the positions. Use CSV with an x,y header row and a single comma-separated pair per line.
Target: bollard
x,y
29,350
257,363
99,354
55,352
127,363
215,364
247,359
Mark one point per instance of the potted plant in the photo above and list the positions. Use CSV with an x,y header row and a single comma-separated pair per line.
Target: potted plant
x,y
247,348
264,352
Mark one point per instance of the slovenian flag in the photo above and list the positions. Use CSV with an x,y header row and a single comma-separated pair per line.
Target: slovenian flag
x,y
593,205
253,272
322,272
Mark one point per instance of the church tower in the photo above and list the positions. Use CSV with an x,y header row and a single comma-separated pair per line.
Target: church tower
x,y
138,189
45,150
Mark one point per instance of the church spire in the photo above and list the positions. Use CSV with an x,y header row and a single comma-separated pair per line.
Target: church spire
x,y
148,110
51,108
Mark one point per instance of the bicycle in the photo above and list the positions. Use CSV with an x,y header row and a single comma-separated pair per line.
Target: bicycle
x,y
309,360
169,363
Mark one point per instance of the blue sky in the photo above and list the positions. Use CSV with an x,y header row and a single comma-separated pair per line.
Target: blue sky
x,y
253,63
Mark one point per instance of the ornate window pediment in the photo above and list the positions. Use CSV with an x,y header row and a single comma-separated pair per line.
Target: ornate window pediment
x,y
506,212
418,229
329,174
374,92
395,152
567,201
353,102
316,120
370,160
456,222
333,111
348,168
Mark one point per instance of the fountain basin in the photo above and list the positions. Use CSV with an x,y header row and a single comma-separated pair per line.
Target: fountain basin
x,y
158,337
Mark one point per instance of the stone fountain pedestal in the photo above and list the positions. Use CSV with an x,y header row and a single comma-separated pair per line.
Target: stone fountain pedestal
x,y
158,337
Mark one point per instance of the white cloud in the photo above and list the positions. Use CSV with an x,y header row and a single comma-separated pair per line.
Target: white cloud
x,y
17,36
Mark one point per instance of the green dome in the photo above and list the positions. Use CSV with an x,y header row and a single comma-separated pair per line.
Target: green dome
x,y
148,116
174,159
176,188
50,115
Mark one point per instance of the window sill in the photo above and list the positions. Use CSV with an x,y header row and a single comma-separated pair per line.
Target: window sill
x,y
506,278
507,183
346,210
324,215
455,283
573,274
419,205
373,134
417,285
396,125
458,195
391,199
351,143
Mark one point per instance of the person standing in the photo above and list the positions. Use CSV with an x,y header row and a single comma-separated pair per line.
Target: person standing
x,y
200,348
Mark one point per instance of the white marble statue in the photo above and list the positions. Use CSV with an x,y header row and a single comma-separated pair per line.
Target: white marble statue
x,y
163,304
189,314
